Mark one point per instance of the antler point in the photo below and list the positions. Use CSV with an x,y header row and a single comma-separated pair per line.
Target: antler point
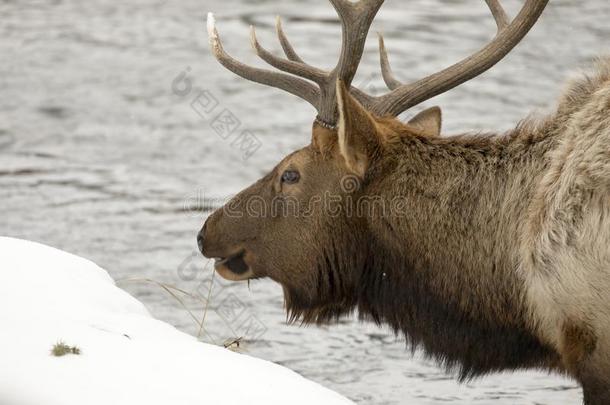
x,y
253,40
211,25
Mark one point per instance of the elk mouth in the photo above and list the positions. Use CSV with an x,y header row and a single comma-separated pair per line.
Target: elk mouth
x,y
234,267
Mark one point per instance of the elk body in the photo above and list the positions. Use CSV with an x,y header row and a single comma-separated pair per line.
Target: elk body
x,y
490,252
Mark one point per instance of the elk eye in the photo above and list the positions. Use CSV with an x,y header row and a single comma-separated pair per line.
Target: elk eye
x,y
290,177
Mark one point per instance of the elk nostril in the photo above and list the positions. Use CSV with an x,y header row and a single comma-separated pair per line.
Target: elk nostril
x,y
200,239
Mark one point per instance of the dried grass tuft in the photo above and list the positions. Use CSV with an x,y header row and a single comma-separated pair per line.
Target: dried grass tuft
x,y
61,349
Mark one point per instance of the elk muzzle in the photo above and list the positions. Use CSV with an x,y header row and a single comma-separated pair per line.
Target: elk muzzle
x,y
231,259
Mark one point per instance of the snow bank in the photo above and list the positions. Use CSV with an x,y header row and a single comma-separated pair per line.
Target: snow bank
x,y
127,357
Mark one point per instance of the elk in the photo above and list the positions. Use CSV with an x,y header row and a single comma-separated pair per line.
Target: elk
x,y
495,252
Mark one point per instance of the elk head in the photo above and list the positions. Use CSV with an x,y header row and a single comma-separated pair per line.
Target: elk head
x,y
298,225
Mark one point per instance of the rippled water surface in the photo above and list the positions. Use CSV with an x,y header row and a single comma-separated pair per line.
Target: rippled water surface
x,y
101,156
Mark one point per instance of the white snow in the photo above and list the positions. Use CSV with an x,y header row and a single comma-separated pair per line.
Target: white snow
x,y
127,357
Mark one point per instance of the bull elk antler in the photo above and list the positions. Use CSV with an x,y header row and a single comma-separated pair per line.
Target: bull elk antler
x,y
356,19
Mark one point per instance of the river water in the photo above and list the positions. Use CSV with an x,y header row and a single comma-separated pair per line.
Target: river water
x,y
107,151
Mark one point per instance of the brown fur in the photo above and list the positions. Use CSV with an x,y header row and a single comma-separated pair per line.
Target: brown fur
x,y
579,341
498,259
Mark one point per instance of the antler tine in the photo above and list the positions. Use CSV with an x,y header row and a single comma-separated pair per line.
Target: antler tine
x,y
296,68
390,80
356,19
286,45
291,84
498,13
406,96
386,69
295,65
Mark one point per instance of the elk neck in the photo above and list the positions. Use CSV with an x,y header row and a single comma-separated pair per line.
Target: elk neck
x,y
443,265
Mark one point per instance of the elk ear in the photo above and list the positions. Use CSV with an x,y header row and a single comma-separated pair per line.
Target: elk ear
x,y
357,131
429,121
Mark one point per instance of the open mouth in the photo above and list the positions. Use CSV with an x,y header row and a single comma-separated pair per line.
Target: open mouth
x,y
233,267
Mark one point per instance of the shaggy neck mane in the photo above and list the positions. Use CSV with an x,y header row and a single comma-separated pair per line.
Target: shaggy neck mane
x,y
444,269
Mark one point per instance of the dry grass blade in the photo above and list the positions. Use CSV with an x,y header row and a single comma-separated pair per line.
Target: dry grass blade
x,y
233,344
207,303
171,289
